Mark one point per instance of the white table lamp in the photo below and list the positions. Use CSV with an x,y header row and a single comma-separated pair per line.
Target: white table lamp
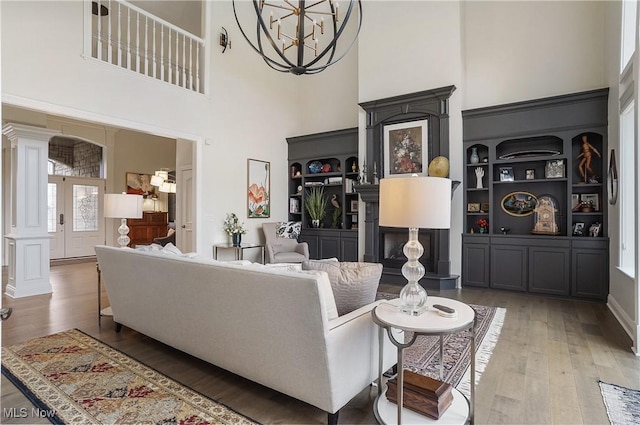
x,y
417,203
122,206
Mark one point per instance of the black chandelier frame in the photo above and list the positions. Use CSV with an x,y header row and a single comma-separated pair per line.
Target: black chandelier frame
x,y
299,67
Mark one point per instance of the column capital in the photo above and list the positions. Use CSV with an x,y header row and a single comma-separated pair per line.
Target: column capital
x,y
15,131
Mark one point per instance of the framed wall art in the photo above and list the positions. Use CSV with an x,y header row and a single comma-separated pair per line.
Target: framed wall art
x,y
140,184
519,204
406,148
258,188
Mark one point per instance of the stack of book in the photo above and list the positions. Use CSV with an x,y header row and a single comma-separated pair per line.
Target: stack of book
x,y
422,394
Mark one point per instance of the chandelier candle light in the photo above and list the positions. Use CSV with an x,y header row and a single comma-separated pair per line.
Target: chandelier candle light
x,y
122,206
301,37
417,203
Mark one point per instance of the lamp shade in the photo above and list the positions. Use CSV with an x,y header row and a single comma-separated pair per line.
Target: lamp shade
x,y
121,205
156,180
415,202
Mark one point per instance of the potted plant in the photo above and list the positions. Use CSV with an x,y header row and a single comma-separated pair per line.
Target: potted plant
x,y
316,205
234,228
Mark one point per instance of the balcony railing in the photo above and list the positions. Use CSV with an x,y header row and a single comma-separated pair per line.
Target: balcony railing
x,y
129,37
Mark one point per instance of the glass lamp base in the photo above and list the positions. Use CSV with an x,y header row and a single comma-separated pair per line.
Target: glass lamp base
x,y
413,299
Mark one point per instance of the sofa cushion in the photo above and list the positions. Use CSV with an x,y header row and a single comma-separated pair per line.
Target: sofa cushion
x,y
289,229
354,284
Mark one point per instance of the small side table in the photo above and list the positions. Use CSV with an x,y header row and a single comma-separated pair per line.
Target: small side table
x,y
387,316
101,311
238,249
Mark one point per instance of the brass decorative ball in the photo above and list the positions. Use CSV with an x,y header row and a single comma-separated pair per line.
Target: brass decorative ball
x,y
439,167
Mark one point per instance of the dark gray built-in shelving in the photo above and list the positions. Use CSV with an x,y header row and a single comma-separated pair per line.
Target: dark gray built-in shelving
x,y
338,152
519,140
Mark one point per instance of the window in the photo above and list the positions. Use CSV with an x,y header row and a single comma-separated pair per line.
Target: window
x,y
628,32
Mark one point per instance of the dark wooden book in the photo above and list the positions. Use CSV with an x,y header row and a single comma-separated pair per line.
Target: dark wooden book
x,y
422,394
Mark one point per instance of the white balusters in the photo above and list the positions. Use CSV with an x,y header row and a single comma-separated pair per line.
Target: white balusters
x,y
109,46
119,36
175,62
162,52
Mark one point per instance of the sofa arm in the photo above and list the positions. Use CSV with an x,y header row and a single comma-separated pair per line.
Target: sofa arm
x,y
346,318
303,248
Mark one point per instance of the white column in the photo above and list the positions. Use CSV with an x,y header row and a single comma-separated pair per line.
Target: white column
x,y
28,238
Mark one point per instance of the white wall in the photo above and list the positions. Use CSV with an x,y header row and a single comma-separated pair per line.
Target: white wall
x,y
524,50
623,290
249,114
406,47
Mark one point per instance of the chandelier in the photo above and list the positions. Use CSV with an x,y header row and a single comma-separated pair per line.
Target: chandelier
x,y
302,37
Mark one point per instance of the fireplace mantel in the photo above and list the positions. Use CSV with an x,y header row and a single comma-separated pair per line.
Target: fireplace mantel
x,y
432,105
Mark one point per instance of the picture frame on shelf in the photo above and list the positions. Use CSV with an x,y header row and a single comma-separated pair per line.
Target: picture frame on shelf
x,y
473,207
575,202
258,188
594,229
354,206
406,148
591,198
578,229
506,174
530,174
554,169
484,207
294,205
519,204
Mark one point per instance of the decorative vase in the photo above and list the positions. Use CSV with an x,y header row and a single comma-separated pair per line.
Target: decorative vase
x,y
482,230
236,239
315,223
474,158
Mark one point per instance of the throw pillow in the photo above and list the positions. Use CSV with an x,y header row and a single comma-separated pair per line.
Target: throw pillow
x,y
354,284
324,285
289,229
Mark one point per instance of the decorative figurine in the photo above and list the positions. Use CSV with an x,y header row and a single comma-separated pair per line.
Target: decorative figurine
x,y
584,167
479,175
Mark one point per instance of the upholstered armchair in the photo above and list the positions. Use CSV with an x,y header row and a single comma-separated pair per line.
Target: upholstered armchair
x,y
281,243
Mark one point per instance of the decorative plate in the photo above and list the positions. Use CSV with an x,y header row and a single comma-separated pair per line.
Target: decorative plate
x,y
315,167
519,204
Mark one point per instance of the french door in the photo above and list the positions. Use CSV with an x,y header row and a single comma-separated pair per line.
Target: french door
x,y
74,216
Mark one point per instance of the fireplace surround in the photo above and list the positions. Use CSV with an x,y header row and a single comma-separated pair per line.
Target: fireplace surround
x,y
381,242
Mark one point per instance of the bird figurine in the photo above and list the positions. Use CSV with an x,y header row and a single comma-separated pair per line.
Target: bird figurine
x,y
334,201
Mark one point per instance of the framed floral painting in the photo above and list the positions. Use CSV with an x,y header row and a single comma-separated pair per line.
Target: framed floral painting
x,y
406,148
140,184
258,188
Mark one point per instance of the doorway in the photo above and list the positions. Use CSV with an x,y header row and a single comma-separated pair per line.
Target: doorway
x,y
74,216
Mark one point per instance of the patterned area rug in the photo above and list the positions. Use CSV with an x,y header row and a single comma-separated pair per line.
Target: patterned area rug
x,y
74,378
623,404
423,356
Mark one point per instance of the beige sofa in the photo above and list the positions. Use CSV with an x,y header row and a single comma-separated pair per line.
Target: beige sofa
x,y
272,326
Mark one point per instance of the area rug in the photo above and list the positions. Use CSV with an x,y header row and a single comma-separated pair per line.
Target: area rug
x,y
423,356
623,404
73,378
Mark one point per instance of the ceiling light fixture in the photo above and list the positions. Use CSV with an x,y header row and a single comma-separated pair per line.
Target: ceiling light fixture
x,y
293,36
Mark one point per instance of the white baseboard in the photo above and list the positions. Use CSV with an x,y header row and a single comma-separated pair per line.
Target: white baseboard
x,y
629,326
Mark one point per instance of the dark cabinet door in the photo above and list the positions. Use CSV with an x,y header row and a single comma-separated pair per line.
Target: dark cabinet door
x,y
312,241
509,267
549,270
349,247
590,273
329,246
475,265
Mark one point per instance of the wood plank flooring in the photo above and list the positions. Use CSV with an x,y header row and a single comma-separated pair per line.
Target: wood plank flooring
x,y
544,369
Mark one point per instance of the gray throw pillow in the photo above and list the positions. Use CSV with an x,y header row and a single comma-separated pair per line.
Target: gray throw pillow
x,y
354,284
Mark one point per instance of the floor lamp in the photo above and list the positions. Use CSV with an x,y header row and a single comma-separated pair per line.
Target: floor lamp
x,y
122,206
417,203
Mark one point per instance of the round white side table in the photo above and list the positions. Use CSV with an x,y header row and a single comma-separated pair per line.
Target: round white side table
x,y
388,316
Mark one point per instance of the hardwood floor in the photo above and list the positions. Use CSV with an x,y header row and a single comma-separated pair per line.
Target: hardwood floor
x,y
544,368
